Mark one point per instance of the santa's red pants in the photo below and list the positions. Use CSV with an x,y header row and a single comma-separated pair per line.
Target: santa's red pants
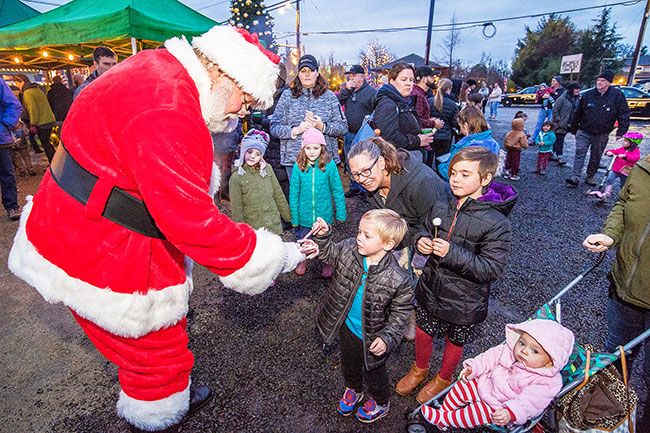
x,y
152,369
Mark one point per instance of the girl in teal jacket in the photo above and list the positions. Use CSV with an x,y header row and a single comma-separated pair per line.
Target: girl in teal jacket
x,y
545,140
314,184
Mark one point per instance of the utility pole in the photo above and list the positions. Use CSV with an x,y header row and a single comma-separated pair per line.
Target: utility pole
x,y
429,28
298,28
639,42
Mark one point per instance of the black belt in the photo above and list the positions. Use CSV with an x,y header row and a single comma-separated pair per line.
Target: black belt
x,y
121,207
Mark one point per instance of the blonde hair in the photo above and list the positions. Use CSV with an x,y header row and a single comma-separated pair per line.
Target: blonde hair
x,y
444,84
390,225
473,118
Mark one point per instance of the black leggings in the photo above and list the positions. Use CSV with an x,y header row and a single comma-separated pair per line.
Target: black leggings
x,y
354,370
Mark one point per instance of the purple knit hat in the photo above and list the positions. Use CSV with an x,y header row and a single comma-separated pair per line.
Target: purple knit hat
x,y
312,136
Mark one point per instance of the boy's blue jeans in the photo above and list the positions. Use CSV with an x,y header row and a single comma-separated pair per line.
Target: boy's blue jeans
x,y
544,115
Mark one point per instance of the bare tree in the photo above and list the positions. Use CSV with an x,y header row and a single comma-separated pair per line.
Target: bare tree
x,y
450,42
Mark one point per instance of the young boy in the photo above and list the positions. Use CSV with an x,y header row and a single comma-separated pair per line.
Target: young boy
x,y
368,304
467,251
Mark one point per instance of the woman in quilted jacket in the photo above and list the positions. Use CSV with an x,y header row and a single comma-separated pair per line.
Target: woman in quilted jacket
x,y
315,183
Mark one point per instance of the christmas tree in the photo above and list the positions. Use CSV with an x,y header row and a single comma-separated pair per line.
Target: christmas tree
x,y
252,16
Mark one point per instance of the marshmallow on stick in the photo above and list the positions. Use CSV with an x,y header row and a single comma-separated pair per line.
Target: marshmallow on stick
x,y
436,224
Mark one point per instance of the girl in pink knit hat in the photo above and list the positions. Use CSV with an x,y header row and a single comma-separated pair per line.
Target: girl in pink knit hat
x,y
510,383
626,157
315,183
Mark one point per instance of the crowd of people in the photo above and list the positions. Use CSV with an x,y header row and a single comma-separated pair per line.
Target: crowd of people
x,y
429,171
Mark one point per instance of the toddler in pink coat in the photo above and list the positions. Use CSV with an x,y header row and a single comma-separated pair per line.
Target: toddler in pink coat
x,y
509,383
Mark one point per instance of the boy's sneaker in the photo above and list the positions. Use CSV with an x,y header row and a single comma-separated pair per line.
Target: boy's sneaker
x,y
349,401
371,411
515,178
506,175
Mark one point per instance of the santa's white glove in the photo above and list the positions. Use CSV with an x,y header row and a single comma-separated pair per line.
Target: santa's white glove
x,y
292,255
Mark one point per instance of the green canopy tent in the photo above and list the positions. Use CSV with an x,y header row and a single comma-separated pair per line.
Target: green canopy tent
x,y
65,37
12,11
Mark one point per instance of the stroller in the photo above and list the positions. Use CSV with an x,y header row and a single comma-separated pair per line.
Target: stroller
x,y
573,374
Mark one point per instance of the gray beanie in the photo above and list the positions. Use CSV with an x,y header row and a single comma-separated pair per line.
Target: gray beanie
x,y
254,139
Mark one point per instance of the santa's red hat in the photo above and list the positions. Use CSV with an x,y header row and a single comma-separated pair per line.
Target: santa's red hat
x,y
241,56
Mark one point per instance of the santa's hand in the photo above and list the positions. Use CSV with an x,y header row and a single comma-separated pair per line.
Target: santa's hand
x,y
293,256
308,247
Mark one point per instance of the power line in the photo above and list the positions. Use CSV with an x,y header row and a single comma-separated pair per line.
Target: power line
x,y
468,24
43,3
211,5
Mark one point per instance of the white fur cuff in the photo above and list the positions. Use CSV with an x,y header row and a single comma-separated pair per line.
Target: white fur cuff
x,y
154,415
266,263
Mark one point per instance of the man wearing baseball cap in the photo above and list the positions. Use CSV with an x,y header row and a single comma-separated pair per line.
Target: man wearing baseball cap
x,y
358,99
598,111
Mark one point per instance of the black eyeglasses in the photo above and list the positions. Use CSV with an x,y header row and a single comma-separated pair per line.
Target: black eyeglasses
x,y
364,173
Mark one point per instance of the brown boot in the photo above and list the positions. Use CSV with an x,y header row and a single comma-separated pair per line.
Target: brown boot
x,y
413,378
431,389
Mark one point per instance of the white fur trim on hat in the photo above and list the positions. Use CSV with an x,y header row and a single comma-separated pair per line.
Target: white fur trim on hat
x,y
240,60
154,415
123,314
183,52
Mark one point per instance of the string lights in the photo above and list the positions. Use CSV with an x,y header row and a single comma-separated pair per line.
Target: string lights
x,y
252,15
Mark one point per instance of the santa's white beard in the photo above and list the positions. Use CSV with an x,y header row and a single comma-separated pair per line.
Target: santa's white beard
x,y
215,118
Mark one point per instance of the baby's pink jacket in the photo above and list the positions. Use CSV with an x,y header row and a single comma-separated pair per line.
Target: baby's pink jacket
x,y
630,159
504,382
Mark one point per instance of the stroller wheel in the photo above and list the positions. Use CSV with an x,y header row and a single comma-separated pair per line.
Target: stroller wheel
x,y
415,423
416,427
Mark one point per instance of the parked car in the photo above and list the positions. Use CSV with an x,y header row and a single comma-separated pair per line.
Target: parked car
x,y
524,96
637,100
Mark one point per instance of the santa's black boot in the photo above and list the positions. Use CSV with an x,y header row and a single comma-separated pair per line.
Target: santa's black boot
x,y
199,397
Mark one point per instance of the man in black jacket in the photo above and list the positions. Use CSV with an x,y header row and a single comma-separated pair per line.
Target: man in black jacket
x,y
599,109
358,99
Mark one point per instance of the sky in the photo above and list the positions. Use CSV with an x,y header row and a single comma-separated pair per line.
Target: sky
x,y
324,15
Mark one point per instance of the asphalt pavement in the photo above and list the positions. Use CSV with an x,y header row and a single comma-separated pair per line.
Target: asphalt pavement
x,y
262,355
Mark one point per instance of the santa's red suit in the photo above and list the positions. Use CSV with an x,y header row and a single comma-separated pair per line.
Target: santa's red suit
x,y
139,127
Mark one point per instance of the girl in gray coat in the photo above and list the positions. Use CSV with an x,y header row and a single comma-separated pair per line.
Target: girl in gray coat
x,y
307,103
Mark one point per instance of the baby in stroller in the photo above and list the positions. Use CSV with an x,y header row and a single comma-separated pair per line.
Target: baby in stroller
x,y
509,383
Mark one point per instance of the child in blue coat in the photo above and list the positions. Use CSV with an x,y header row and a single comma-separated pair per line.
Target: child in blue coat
x,y
315,183
545,140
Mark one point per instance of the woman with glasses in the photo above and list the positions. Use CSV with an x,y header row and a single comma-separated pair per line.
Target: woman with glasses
x,y
396,181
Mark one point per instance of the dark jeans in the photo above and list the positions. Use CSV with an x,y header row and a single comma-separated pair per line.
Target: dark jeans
x,y
558,146
595,145
347,144
513,161
8,179
354,370
624,323
44,137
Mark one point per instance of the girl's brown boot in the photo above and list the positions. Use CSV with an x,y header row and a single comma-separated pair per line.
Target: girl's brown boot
x,y
413,378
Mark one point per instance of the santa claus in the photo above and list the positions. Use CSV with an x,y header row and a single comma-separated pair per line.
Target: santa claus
x,y
127,202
